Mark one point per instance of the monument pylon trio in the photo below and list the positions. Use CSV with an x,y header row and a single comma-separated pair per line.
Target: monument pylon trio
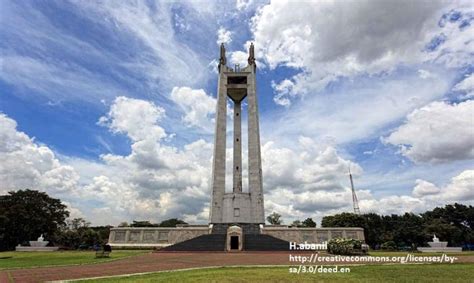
x,y
237,206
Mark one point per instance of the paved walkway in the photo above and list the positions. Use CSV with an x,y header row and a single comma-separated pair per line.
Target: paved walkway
x,y
152,262
143,263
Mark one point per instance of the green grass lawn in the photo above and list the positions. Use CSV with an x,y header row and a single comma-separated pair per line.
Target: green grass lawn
x,y
11,260
367,273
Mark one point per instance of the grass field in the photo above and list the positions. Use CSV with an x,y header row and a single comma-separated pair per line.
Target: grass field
x,y
368,273
11,260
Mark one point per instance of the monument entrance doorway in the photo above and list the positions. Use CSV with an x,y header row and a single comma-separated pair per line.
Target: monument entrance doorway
x,y
234,242
234,238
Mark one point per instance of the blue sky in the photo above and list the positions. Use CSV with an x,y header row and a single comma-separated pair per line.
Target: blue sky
x,y
107,99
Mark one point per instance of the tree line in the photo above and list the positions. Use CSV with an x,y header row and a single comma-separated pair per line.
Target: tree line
x,y
453,223
26,214
275,219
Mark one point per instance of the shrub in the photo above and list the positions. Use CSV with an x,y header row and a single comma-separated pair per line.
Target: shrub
x,y
341,246
389,245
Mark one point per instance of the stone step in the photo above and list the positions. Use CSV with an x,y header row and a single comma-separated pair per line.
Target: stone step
x,y
211,242
262,242
216,242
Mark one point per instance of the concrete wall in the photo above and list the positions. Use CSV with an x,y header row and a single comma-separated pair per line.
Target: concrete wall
x,y
312,235
142,237
237,208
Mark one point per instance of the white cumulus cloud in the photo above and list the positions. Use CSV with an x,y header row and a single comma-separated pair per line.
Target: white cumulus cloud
x,y
135,117
326,40
224,36
438,132
198,107
28,165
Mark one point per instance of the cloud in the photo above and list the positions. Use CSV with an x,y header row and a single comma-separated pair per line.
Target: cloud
x,y
224,36
452,45
373,76
309,167
460,189
342,113
58,82
243,4
438,132
101,50
395,204
153,182
308,35
27,165
134,117
239,57
73,211
198,107
35,67
328,40
135,187
159,180
425,196
466,86
424,188
152,26
285,91
164,181
308,180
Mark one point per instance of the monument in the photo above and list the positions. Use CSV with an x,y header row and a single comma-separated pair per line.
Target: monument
x,y
437,246
40,245
236,220
245,208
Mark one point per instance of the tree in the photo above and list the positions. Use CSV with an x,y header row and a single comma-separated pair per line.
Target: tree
x,y
274,219
77,223
374,230
103,232
69,239
453,223
172,222
26,214
444,231
296,223
142,224
408,231
308,222
343,220
123,224
83,237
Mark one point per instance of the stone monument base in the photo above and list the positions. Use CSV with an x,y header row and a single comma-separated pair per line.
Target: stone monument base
x,y
437,246
36,249
312,235
162,237
154,237
441,250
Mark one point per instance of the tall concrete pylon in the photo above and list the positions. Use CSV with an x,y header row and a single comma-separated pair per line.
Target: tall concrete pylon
x,y
238,206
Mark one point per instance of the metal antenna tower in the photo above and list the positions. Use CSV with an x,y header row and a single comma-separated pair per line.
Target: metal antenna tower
x,y
355,202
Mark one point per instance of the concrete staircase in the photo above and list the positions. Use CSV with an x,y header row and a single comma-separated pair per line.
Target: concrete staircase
x,y
210,242
216,242
262,242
